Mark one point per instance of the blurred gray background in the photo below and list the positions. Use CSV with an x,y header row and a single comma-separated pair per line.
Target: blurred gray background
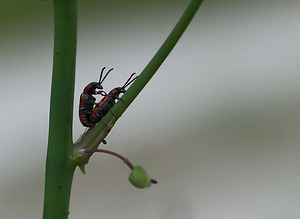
x,y
218,126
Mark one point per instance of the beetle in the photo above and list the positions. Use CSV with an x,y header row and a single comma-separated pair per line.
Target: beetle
x,y
109,101
87,100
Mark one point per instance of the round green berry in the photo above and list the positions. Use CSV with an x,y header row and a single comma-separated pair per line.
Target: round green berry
x,y
139,177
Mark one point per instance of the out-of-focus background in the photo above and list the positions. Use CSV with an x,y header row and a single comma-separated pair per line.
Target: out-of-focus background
x,y
218,126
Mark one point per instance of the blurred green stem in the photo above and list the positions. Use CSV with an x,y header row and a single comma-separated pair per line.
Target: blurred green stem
x,y
59,169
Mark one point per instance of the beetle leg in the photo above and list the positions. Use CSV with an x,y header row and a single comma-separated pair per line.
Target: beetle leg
x,y
103,93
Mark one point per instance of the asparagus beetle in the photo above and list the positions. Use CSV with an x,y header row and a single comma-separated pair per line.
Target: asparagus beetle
x,y
87,100
108,101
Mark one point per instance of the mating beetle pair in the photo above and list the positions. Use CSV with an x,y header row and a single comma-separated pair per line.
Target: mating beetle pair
x,y
91,112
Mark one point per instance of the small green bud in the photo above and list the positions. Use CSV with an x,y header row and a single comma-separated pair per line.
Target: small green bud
x,y
140,178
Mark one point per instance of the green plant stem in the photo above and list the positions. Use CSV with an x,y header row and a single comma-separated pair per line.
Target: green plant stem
x,y
158,58
93,137
59,168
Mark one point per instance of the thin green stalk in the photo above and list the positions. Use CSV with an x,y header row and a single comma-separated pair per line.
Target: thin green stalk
x,y
59,169
158,58
95,135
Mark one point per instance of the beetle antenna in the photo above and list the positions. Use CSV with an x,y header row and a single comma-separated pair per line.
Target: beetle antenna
x,y
101,74
100,79
129,81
